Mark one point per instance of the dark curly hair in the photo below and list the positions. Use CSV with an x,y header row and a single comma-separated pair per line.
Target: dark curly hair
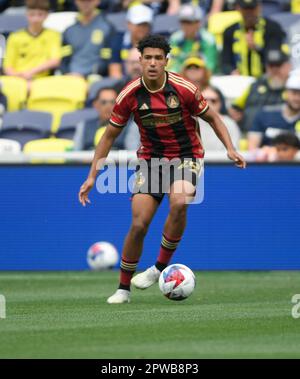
x,y
288,139
154,41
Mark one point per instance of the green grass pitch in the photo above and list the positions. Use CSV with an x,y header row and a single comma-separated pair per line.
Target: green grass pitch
x,y
229,315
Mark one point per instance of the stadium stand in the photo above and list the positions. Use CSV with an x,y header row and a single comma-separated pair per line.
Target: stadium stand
x,y
11,23
48,145
57,95
286,20
15,89
232,86
60,21
165,24
118,20
219,22
272,7
24,126
70,121
97,86
8,146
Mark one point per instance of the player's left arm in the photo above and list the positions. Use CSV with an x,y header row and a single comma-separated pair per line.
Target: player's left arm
x,y
222,133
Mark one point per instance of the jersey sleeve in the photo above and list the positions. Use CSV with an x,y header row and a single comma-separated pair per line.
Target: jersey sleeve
x,y
10,56
54,46
258,124
116,50
198,104
121,111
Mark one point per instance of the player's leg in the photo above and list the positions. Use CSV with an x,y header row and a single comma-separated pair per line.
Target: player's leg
x,y
144,207
181,193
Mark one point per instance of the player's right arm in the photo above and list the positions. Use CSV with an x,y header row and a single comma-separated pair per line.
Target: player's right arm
x,y
101,152
119,117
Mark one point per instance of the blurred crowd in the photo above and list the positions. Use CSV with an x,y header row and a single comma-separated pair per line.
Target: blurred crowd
x,y
250,43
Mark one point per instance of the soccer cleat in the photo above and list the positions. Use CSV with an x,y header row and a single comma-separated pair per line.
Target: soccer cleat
x,y
146,278
119,297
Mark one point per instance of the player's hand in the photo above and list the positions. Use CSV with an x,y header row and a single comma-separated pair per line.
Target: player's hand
x,y
239,161
84,191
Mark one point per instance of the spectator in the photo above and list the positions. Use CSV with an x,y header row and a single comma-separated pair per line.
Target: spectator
x,y
55,5
267,90
3,103
133,68
103,103
193,39
211,142
287,147
35,51
268,124
139,21
87,43
129,139
194,69
246,42
158,6
62,5
215,6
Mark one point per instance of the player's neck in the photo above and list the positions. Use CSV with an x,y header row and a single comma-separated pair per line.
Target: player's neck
x,y
155,85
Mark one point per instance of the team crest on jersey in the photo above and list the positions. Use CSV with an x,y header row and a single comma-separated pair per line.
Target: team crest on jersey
x,y
173,101
97,37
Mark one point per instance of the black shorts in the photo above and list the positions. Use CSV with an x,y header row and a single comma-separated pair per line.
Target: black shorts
x,y
156,176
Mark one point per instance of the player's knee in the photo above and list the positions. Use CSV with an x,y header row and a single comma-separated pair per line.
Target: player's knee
x,y
178,206
139,228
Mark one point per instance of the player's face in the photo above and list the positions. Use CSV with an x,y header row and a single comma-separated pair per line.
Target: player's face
x,y
285,152
154,62
36,17
293,100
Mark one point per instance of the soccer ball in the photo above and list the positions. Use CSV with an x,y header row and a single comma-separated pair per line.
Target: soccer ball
x,y
102,256
177,282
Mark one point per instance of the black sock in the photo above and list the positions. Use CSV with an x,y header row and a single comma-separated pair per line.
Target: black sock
x,y
160,266
124,287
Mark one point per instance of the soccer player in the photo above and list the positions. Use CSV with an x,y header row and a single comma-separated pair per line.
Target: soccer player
x,y
164,106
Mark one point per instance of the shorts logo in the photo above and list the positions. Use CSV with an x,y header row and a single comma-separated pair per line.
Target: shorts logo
x,y
190,165
140,180
173,101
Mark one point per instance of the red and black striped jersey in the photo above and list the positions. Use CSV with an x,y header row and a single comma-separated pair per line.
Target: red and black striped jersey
x,y
166,117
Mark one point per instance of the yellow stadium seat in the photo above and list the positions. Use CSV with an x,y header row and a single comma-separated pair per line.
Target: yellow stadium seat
x,y
15,89
99,134
295,6
219,22
57,95
48,145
